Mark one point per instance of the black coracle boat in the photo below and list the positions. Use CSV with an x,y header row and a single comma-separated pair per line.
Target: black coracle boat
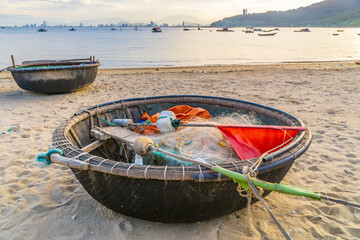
x,y
52,76
160,192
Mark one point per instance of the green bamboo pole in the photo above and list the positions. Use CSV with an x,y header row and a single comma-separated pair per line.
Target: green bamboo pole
x,y
276,187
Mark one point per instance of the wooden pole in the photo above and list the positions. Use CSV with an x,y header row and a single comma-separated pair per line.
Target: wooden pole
x,y
13,61
229,126
92,146
72,163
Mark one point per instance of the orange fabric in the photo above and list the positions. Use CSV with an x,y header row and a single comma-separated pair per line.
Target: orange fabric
x,y
154,117
252,141
145,116
183,112
148,130
186,113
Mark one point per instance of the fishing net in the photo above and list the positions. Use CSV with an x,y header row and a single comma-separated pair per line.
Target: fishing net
x,y
204,143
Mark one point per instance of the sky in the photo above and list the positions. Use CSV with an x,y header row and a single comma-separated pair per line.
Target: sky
x,y
135,11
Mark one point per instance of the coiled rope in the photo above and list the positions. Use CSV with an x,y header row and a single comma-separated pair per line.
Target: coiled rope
x,y
45,157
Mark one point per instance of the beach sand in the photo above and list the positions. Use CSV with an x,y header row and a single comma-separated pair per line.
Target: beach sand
x,y
47,202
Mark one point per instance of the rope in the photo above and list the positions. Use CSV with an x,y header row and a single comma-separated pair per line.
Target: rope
x,y
183,171
341,201
144,124
107,122
125,153
252,190
257,194
127,171
45,157
176,125
13,128
112,168
145,176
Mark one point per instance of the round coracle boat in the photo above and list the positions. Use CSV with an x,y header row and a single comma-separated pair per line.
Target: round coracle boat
x,y
49,76
156,190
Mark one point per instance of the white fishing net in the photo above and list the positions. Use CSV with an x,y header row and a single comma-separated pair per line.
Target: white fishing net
x,y
204,143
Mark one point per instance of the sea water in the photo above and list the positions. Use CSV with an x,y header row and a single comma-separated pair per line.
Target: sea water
x,y
130,48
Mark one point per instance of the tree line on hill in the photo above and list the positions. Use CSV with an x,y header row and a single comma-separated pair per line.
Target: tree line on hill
x,y
328,13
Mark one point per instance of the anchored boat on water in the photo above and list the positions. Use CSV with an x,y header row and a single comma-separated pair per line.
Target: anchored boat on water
x,y
156,29
225,30
303,30
164,188
55,76
267,34
248,31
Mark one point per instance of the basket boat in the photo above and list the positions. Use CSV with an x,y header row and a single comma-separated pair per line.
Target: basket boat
x,y
169,194
49,76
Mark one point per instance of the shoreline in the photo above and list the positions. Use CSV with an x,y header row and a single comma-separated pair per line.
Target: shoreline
x,y
236,67
239,67
285,66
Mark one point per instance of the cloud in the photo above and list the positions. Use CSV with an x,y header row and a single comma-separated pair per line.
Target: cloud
x,y
140,10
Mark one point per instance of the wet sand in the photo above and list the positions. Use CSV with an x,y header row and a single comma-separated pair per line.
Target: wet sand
x,y
42,202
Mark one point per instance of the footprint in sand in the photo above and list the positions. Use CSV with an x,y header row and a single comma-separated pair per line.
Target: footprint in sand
x,y
350,155
126,226
24,174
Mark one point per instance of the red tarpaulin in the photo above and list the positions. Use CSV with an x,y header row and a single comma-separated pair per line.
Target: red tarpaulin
x,y
252,141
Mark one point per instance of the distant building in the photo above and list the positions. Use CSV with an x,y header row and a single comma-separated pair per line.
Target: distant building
x,y
245,11
183,24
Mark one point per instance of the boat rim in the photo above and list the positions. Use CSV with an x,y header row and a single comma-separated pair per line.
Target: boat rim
x,y
61,66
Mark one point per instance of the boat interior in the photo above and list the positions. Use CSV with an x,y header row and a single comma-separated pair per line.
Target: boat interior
x,y
80,134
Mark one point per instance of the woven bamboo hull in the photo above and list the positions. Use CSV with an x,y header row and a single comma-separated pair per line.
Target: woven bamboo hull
x,y
170,201
55,80
169,194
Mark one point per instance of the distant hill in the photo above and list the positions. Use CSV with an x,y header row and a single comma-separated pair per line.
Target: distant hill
x,y
178,19
329,13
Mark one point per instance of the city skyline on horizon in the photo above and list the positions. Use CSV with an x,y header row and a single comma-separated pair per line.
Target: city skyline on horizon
x,y
73,12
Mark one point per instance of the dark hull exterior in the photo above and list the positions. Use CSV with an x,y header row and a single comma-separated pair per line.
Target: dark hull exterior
x,y
141,192
169,201
55,80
